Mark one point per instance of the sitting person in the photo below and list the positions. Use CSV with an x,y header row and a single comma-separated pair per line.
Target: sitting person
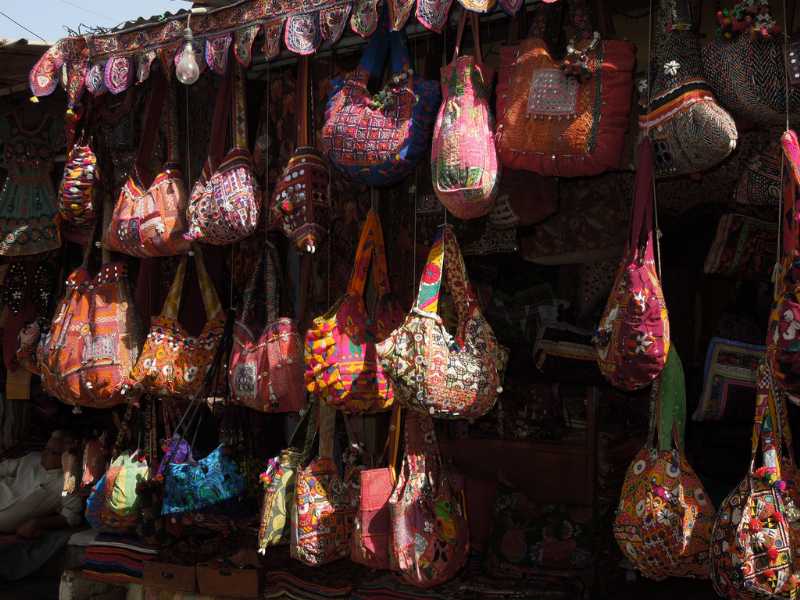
x,y
31,499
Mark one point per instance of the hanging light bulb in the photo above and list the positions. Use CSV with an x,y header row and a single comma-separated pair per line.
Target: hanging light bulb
x,y
187,70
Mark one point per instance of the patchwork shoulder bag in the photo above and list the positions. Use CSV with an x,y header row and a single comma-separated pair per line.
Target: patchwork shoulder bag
x,y
324,506
194,486
464,167
748,72
226,200
691,132
783,333
94,338
378,139
564,118
632,339
172,362
266,370
301,203
149,219
342,366
448,376
754,541
430,535
78,190
663,523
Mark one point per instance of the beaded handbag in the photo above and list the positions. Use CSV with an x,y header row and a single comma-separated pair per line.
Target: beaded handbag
x,y
149,219
266,370
448,376
632,339
342,366
378,139
564,118
76,194
464,168
225,203
172,362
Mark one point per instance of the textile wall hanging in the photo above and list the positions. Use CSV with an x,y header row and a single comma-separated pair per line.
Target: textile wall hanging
x,y
743,248
564,118
760,182
690,131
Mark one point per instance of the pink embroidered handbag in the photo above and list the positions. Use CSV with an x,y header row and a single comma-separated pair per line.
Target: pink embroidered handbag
x,y
448,376
632,339
430,536
226,201
464,167
266,372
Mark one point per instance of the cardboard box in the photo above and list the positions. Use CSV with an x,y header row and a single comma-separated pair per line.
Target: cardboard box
x,y
230,582
171,577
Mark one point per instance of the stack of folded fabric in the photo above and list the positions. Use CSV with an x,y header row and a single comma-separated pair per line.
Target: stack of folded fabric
x,y
117,558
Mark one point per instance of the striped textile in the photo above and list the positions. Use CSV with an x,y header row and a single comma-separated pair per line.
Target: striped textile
x,y
116,559
284,585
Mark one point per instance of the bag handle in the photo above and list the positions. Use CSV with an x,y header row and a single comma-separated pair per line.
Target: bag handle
x,y
392,447
327,429
269,266
641,227
211,301
672,403
374,57
239,102
399,57
219,122
791,158
766,427
579,25
370,250
474,24
173,148
303,68
155,105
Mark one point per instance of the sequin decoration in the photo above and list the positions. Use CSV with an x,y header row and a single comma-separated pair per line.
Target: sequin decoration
x,y
118,74
302,34
332,22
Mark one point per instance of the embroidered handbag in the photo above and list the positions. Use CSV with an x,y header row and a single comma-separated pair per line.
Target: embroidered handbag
x,y
632,339
464,168
378,139
748,74
342,366
225,203
433,371
173,363
113,503
94,339
266,372
301,202
555,122
691,132
76,194
149,219
372,529
279,482
195,486
754,541
324,507
430,537
783,351
663,523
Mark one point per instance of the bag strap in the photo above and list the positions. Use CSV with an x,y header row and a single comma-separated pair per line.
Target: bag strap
x,y
211,301
219,122
155,105
399,57
303,68
474,24
370,250
641,227
453,270
239,102
791,226
765,432
173,148
672,403
327,429
393,439
374,57
268,267
579,25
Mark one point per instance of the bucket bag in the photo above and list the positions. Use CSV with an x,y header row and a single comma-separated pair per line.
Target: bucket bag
x,y
78,189
754,541
149,218
448,376
783,350
632,339
94,338
266,370
324,505
430,536
464,168
664,519
172,362
113,504
748,72
372,529
564,118
691,132
378,139
226,200
342,365
301,203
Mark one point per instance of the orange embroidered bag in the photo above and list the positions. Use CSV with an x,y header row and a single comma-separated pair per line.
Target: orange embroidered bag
x,y
564,118
433,371
94,338
149,219
632,339
342,366
172,362
266,372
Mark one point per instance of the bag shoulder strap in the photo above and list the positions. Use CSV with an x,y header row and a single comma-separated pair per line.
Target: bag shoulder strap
x,y
173,152
239,102
791,226
327,427
303,68
641,226
445,260
374,57
219,122
370,250
211,301
155,105
474,24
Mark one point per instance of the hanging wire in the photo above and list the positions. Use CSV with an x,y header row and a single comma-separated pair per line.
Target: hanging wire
x,y
647,132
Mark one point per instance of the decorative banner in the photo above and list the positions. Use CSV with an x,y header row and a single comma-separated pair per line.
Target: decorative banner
x,y
243,45
118,74
302,34
272,38
365,17
332,22
144,62
217,52
95,81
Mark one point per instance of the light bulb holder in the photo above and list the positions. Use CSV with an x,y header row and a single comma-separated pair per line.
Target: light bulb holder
x,y
188,35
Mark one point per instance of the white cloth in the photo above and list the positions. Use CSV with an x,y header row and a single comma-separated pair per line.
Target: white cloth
x,y
28,491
